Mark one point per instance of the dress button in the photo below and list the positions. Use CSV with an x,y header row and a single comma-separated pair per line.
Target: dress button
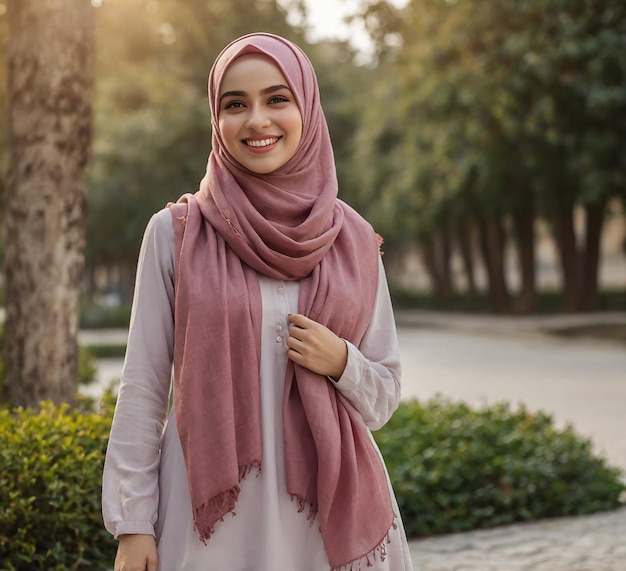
x,y
279,339
281,290
279,328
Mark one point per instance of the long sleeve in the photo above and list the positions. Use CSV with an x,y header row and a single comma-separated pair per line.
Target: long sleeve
x,y
371,379
130,480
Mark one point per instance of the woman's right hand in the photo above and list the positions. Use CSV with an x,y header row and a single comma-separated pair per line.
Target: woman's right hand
x,y
136,552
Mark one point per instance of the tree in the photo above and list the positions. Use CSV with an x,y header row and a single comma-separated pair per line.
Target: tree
x,y
3,38
50,56
508,111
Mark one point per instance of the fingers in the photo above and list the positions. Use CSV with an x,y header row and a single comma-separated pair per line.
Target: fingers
x,y
136,552
315,347
303,332
300,320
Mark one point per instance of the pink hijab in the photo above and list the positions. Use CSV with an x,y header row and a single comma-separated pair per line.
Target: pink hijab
x,y
288,225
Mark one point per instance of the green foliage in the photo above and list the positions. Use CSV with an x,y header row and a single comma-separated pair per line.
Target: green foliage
x,y
492,111
94,316
86,367
105,351
50,481
548,302
455,468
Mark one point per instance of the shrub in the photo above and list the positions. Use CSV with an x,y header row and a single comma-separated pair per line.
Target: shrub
x,y
50,479
93,316
455,469
106,350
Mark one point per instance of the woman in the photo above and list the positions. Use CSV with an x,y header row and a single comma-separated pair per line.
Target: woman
x,y
268,296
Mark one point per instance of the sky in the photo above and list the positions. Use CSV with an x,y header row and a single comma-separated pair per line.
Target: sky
x,y
326,20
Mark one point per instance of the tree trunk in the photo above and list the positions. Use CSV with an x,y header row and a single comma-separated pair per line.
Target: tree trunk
x,y
525,232
588,299
565,236
492,247
50,74
429,258
465,241
444,259
436,257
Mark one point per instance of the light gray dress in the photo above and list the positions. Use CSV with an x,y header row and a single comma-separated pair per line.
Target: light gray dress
x,y
145,483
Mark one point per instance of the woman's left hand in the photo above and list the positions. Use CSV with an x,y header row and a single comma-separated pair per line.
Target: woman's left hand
x,y
315,347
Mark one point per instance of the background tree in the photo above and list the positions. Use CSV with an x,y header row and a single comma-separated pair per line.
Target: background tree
x,y
507,112
50,54
3,46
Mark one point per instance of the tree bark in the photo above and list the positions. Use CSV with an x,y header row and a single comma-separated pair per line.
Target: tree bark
x,y
524,229
465,241
50,74
588,299
492,247
436,252
565,235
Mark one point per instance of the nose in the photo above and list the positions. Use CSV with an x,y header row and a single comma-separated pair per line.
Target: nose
x,y
257,118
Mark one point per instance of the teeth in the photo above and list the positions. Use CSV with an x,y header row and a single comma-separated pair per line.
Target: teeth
x,y
263,143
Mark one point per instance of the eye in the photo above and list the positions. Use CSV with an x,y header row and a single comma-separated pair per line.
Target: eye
x,y
278,99
233,105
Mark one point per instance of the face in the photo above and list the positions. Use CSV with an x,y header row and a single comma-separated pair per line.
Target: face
x,y
258,118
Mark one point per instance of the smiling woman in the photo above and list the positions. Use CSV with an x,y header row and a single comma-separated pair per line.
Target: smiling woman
x,y
259,121
268,297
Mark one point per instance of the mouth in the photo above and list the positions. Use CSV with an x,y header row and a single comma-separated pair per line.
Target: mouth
x,y
260,143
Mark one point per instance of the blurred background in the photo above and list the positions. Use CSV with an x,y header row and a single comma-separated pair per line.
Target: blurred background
x,y
484,141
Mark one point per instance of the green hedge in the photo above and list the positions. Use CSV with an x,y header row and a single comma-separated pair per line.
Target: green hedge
x,y
93,316
547,302
455,468
50,479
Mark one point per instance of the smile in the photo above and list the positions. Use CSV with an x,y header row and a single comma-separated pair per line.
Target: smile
x,y
262,142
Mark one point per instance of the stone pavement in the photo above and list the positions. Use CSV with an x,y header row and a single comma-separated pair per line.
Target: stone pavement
x,y
584,543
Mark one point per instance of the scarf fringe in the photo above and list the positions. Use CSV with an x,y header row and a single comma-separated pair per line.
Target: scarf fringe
x,y
302,504
368,560
207,515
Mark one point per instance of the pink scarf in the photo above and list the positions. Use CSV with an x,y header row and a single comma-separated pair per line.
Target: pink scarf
x,y
288,225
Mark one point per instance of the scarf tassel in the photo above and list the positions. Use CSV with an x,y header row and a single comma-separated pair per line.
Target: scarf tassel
x,y
217,508
302,504
368,560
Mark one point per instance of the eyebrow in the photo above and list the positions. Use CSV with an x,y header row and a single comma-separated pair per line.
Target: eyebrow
x,y
265,91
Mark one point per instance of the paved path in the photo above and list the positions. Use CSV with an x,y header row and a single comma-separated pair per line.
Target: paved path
x,y
488,359
577,382
590,543
583,382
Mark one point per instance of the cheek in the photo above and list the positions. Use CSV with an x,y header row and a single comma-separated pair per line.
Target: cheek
x,y
296,125
228,130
